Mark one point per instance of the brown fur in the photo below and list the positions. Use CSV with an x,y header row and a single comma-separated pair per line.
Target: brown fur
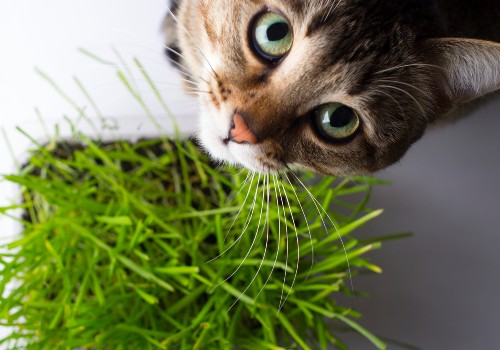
x,y
390,60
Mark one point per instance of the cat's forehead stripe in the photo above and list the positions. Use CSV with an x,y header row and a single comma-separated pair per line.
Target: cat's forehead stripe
x,y
298,6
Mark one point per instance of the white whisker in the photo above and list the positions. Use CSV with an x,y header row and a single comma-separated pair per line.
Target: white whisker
x,y
298,248
193,41
183,68
407,125
249,178
287,250
307,225
190,82
279,239
403,83
408,94
331,10
265,227
318,207
424,65
175,52
242,205
247,223
253,241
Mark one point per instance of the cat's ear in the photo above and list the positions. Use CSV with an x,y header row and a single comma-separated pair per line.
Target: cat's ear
x,y
470,68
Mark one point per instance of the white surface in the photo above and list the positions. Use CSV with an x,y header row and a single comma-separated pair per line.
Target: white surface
x,y
47,34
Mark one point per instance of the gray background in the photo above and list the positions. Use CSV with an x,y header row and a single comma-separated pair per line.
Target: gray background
x,y
441,288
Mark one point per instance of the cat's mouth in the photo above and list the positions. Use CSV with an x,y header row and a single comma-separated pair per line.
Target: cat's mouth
x,y
250,156
232,141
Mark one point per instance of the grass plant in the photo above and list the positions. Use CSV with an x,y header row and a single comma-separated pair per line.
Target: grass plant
x,y
146,245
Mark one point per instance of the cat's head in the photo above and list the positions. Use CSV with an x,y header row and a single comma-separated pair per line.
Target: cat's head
x,y
337,87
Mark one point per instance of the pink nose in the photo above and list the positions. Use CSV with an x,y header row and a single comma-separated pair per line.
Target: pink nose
x,y
240,132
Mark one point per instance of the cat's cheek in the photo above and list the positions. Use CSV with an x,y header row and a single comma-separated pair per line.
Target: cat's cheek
x,y
217,122
212,139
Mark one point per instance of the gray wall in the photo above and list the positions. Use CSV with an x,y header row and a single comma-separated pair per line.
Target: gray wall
x,y
441,288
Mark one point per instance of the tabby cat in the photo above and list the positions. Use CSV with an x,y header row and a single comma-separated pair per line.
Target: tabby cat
x,y
339,87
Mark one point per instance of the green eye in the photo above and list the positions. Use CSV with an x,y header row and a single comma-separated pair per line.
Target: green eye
x,y
336,122
272,36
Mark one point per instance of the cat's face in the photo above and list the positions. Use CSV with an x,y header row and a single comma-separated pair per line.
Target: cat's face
x,y
330,86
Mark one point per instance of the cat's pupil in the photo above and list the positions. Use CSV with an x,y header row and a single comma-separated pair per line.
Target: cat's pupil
x,y
277,31
341,117
336,122
271,36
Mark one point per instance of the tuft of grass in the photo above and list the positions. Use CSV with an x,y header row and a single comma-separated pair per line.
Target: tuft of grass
x,y
146,246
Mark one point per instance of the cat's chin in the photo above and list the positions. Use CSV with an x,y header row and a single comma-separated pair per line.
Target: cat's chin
x,y
245,155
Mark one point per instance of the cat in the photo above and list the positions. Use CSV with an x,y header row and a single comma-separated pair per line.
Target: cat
x,y
339,87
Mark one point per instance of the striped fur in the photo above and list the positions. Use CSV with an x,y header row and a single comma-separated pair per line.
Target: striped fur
x,y
390,60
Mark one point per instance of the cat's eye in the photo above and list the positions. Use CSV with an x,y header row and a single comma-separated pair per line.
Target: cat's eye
x,y
336,122
272,36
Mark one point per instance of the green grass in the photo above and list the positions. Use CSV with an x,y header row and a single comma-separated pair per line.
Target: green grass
x,y
146,246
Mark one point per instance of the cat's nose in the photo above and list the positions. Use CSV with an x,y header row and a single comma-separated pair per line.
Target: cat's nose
x,y
240,132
